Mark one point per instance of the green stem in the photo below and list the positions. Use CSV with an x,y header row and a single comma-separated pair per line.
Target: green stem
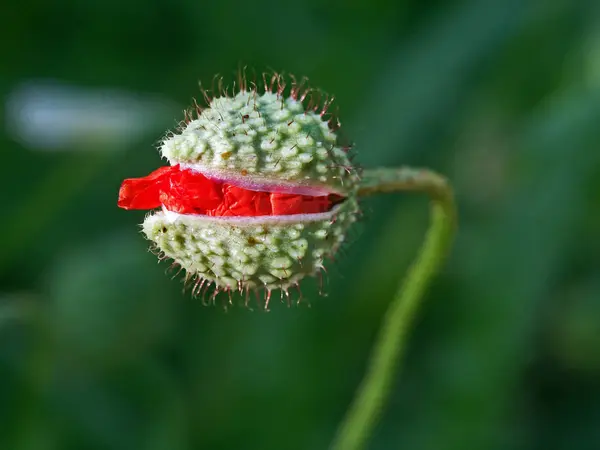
x,y
390,345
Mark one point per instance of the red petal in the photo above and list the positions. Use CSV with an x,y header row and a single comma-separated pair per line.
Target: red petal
x,y
188,192
242,202
284,204
143,193
191,193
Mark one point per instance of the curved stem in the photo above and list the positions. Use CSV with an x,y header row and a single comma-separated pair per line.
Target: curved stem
x,y
391,341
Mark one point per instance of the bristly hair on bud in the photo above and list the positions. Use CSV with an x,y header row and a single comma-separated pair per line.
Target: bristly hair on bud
x,y
259,191
278,83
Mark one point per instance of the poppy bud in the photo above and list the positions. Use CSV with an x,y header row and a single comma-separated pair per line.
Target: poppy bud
x,y
258,192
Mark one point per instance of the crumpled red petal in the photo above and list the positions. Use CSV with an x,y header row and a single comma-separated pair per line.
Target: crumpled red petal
x,y
143,193
188,192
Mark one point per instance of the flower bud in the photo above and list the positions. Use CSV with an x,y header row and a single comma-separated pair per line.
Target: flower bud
x,y
258,192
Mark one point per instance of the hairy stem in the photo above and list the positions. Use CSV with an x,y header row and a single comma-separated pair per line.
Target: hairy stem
x,y
390,344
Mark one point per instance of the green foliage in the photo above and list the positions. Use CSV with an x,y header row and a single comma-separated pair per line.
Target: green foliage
x,y
100,349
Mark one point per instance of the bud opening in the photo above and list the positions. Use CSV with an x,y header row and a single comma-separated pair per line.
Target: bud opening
x,y
184,191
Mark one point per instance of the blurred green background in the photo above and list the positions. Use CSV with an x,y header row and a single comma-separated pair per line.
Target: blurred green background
x,y
99,349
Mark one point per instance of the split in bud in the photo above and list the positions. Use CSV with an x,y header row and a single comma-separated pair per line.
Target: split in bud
x,y
187,192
